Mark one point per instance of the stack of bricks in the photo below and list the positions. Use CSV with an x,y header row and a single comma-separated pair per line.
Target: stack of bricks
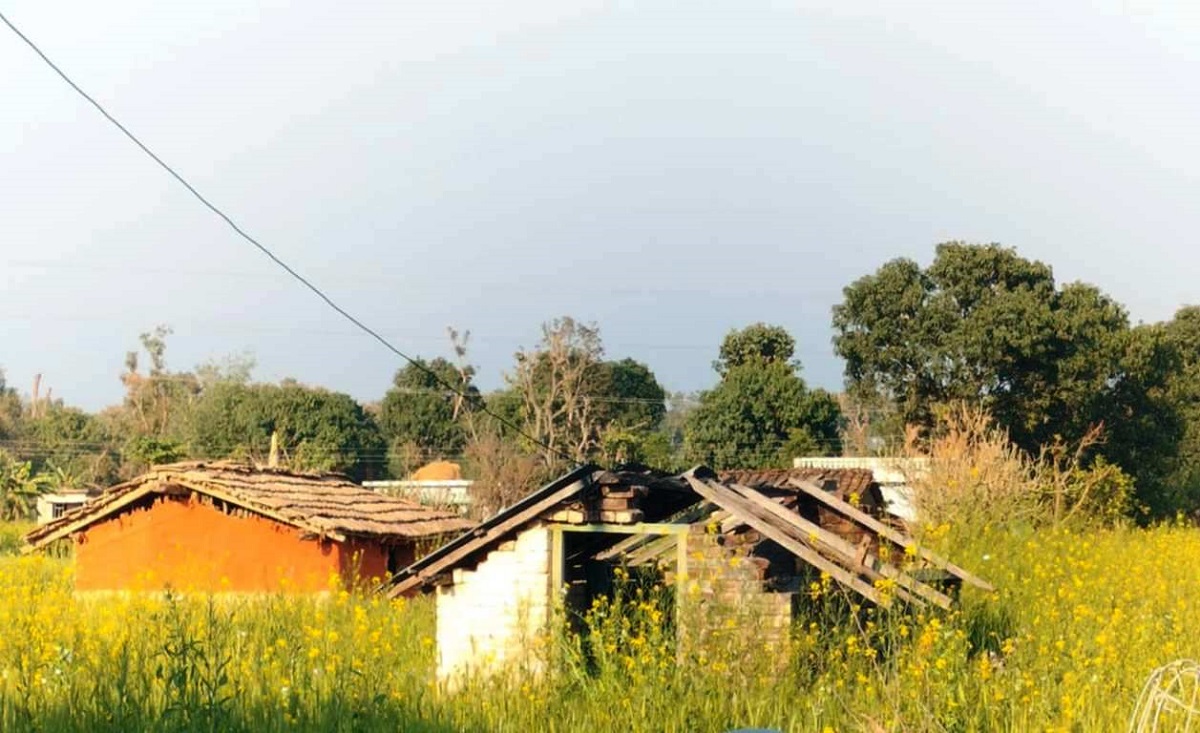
x,y
608,504
727,592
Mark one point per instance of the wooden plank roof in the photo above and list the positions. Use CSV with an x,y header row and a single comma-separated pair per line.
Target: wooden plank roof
x,y
324,504
735,495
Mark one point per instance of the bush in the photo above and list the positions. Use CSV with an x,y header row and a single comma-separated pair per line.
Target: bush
x,y
977,477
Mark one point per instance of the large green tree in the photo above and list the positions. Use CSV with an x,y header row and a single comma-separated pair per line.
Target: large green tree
x,y
1183,335
10,409
985,326
70,444
630,396
421,413
318,429
762,413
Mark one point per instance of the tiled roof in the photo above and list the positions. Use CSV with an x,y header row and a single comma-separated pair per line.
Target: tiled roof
x,y
323,504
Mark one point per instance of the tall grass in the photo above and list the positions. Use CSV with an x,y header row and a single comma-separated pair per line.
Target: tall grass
x,y
977,478
11,534
1080,619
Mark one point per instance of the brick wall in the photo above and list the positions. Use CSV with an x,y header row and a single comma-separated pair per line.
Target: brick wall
x,y
493,615
726,599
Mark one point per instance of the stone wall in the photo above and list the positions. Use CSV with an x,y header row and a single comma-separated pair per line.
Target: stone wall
x,y
496,613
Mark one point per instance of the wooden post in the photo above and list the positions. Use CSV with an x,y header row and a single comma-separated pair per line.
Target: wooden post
x,y
273,457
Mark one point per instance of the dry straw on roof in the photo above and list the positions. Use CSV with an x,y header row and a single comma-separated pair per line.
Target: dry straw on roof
x,y
323,504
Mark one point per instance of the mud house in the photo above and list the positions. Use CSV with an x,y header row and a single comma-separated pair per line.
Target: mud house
x,y
228,527
747,543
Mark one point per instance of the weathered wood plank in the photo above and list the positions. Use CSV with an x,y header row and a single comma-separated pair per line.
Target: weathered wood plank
x,y
735,504
528,514
883,530
849,554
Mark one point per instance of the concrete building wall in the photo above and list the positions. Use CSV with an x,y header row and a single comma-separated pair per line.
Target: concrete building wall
x,y
53,506
894,476
496,613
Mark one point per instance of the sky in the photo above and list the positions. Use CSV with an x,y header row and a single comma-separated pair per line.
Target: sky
x,y
669,170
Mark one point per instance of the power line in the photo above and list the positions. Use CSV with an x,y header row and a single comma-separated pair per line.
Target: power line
x,y
481,405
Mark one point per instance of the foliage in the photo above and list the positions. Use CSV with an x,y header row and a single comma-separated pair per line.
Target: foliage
x,y
10,409
12,536
630,396
754,344
1064,645
318,429
19,489
71,442
974,476
985,326
1183,483
144,451
236,368
420,412
569,396
502,470
761,410
155,397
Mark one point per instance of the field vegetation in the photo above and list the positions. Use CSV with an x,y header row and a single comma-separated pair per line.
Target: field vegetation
x,y
1086,609
1080,619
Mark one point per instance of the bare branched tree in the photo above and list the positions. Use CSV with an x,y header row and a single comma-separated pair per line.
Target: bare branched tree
x,y
557,382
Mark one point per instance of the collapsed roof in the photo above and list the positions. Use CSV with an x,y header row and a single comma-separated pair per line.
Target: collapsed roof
x,y
829,520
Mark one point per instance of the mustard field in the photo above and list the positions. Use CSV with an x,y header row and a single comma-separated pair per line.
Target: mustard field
x,y
1078,623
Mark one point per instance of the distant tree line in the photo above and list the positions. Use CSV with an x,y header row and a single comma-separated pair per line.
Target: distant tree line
x,y
1054,364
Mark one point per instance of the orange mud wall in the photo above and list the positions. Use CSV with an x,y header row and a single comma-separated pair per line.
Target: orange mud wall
x,y
190,545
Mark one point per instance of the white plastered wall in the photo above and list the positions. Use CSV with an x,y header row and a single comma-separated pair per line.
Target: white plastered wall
x,y
494,615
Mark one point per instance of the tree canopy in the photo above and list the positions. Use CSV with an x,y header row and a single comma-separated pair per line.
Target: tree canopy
x,y
420,413
987,327
318,429
575,403
761,413
1182,334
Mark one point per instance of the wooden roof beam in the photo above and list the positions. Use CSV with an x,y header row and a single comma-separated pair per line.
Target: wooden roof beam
x,y
899,538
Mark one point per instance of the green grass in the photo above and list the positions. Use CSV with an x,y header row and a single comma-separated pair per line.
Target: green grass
x,y
10,537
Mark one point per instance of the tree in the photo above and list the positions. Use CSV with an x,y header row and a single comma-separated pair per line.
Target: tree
x,y
422,413
154,398
557,382
10,409
761,410
630,396
1182,333
236,368
318,429
569,398
986,327
756,343
66,441
19,489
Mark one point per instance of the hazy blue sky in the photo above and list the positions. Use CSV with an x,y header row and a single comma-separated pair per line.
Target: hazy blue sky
x,y
668,169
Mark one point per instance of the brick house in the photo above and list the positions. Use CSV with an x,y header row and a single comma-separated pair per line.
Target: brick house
x,y
746,541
